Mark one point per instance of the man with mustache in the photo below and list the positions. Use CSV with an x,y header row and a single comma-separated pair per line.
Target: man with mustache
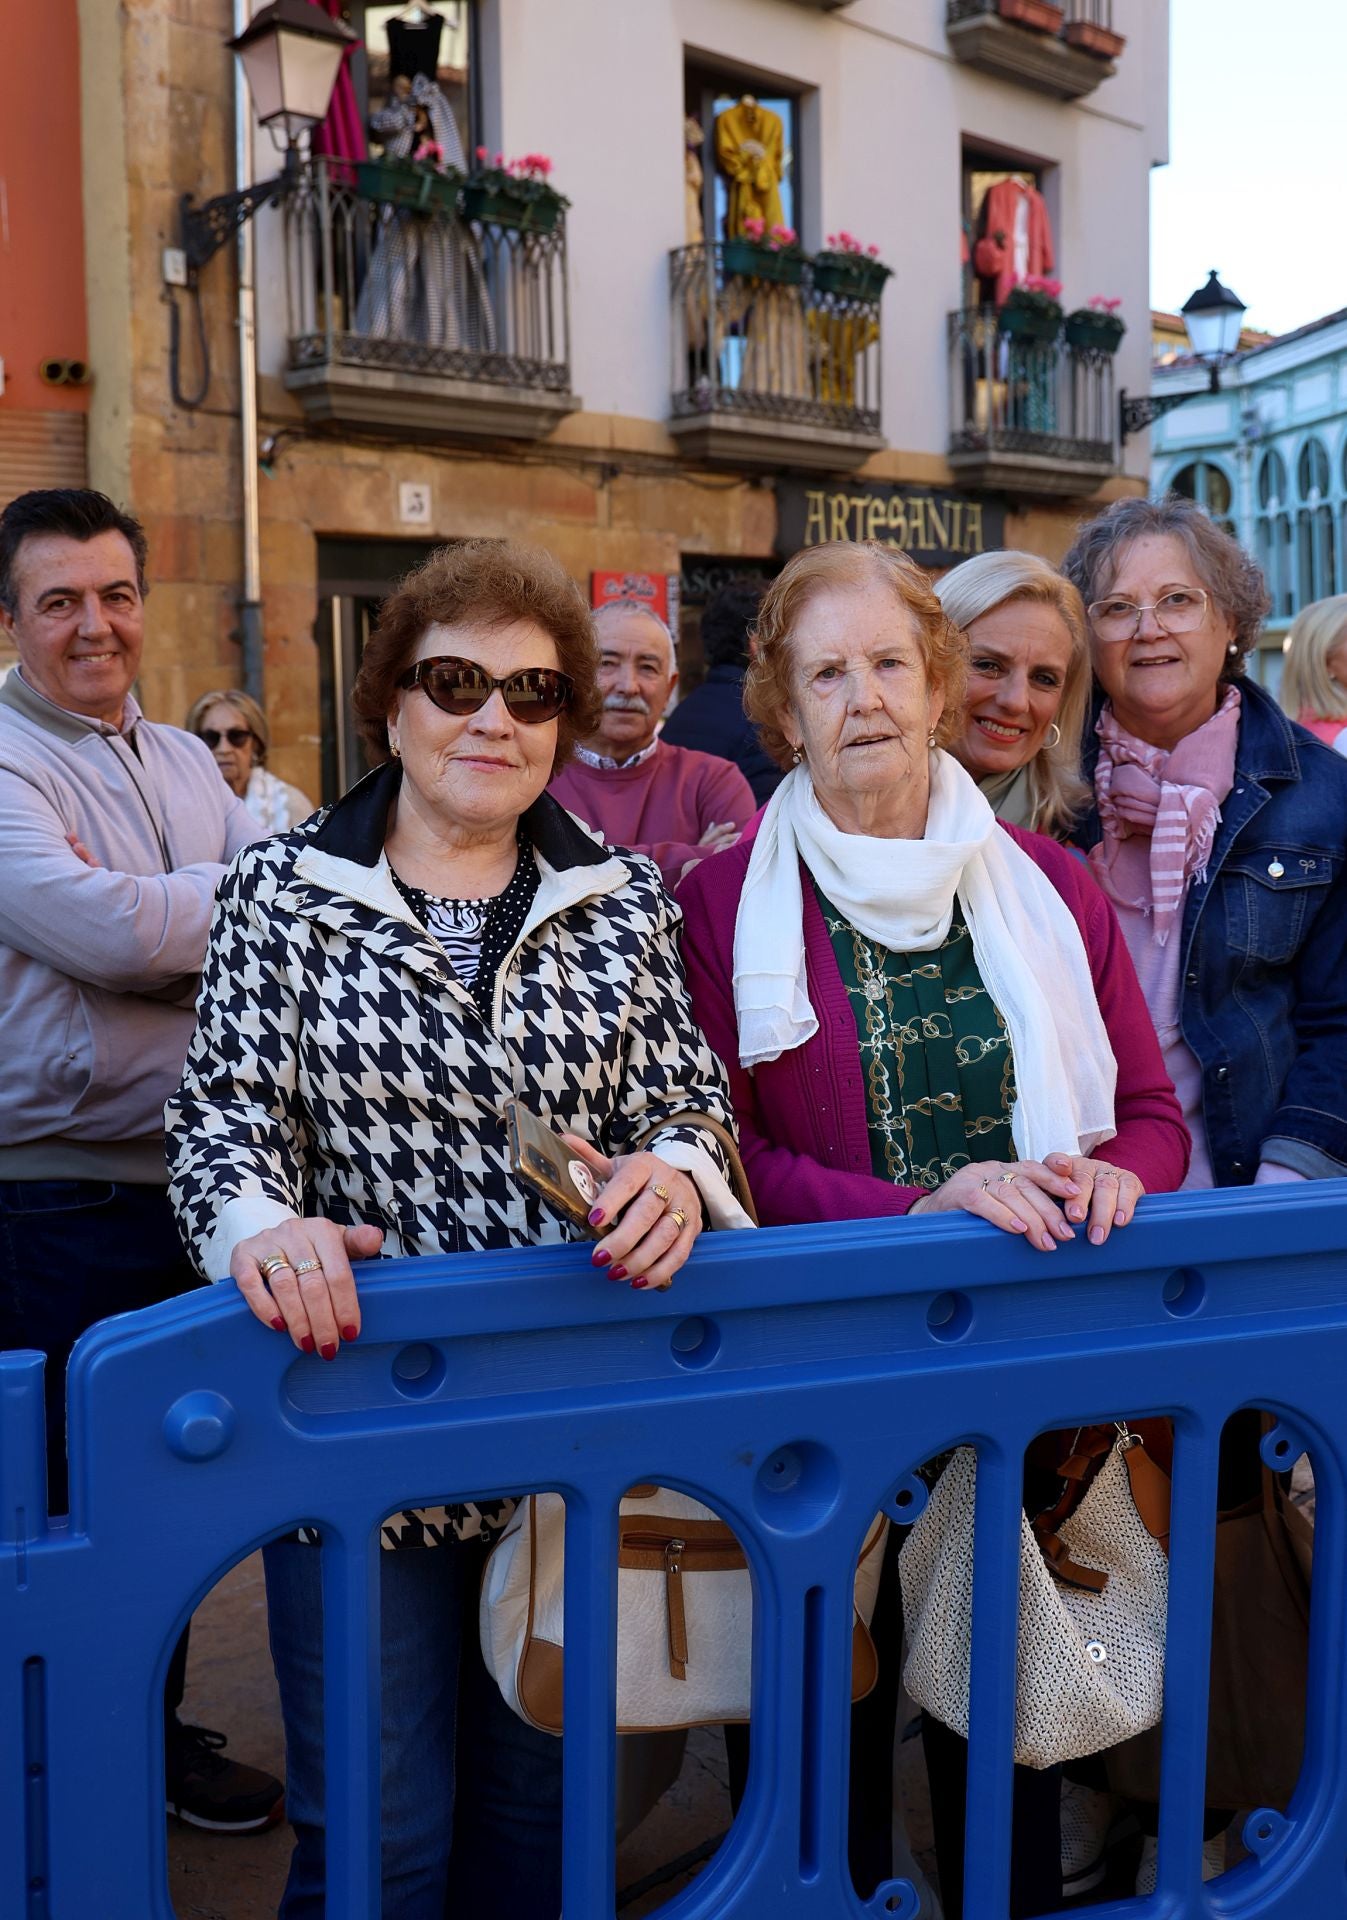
x,y
639,792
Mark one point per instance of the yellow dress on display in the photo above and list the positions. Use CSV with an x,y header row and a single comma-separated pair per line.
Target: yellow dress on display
x,y
751,153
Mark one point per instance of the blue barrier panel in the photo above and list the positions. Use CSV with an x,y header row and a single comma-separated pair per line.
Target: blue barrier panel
x,y
791,1379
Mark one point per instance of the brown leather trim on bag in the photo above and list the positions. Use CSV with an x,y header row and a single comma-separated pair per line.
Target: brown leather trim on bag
x,y
539,1682
743,1193
1151,1490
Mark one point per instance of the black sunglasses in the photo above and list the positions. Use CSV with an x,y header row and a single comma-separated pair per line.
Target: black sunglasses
x,y
461,687
236,736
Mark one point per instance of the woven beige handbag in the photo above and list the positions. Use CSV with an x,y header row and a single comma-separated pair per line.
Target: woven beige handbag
x,y
1091,1659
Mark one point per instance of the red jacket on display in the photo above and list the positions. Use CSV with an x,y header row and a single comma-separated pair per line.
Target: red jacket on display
x,y
995,257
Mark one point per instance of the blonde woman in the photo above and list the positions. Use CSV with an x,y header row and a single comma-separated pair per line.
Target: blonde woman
x,y
1028,687
1314,679
235,729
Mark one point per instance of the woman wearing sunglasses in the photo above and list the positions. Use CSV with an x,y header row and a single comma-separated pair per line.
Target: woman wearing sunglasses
x,y
379,982
235,729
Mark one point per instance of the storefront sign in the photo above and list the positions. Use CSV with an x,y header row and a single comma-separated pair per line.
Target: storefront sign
x,y
658,591
937,528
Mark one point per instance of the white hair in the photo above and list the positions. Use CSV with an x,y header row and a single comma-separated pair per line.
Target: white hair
x,y
644,608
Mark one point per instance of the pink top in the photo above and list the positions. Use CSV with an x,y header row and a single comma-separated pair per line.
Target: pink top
x,y
1331,732
803,1125
661,806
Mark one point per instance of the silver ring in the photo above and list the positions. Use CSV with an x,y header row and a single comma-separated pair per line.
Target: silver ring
x,y
273,1264
986,1182
309,1266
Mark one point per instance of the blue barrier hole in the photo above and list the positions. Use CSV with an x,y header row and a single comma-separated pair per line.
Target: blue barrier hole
x,y
897,1899
949,1316
797,1487
418,1371
1184,1292
907,1502
695,1342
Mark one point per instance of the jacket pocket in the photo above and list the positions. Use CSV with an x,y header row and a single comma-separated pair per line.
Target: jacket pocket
x,y
1279,891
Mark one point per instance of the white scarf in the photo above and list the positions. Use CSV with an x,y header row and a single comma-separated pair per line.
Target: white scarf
x,y
901,893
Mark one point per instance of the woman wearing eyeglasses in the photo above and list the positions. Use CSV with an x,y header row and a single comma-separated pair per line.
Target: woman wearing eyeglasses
x,y
235,729
1219,832
379,982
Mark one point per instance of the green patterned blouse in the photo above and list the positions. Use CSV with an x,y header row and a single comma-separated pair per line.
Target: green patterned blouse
x,y
935,1053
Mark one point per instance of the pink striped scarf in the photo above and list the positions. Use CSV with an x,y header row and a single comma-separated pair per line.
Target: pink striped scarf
x,y
1173,800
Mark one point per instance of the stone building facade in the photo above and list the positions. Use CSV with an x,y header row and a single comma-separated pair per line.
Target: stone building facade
x,y
630,427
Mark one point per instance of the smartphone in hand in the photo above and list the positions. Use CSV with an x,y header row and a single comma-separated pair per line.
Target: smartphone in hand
x,y
543,1159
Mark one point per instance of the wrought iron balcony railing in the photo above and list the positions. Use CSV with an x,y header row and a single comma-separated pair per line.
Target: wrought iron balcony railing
x,y
1039,413
429,301
1062,47
779,346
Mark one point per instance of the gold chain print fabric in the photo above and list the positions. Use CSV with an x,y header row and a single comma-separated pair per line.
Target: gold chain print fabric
x,y
935,1054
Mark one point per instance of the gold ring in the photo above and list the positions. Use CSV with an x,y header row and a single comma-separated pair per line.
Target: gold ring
x,y
986,1182
1007,1180
309,1266
273,1264
661,1193
679,1215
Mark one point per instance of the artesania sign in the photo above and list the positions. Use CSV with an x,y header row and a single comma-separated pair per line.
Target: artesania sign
x,y
936,527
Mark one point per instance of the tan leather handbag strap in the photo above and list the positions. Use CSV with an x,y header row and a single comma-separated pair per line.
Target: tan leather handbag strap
x,y
720,1132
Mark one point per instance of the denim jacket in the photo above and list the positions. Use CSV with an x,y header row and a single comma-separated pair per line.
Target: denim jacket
x,y
1264,998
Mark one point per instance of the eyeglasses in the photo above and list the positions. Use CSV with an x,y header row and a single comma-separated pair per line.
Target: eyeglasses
x,y
236,736
1181,611
460,687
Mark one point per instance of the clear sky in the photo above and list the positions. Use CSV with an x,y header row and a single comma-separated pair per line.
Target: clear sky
x,y
1258,161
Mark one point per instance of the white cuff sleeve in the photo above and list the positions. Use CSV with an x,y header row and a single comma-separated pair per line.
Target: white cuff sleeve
x,y
722,1209
238,1220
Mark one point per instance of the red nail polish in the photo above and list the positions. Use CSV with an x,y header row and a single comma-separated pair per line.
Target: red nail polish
x,y
596,1217
601,1257
349,1333
279,1324
307,1343
618,1273
329,1352
640,1283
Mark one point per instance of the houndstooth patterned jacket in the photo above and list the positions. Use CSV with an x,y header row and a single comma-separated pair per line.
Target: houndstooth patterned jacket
x,y
340,1067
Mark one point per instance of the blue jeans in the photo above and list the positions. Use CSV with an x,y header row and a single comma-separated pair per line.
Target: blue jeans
x,y
471,1800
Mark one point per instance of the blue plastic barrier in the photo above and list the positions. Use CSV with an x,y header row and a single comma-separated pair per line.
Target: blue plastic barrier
x,y
791,1379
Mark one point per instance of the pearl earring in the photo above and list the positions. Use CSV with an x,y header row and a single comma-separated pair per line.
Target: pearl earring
x,y
1233,648
930,738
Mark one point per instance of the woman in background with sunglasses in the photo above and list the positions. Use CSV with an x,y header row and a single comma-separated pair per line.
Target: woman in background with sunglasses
x,y
379,982
235,729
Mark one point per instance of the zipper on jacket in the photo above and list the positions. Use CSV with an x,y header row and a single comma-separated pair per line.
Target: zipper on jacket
x,y
126,766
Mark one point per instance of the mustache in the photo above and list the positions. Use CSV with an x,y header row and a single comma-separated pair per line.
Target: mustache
x,y
626,703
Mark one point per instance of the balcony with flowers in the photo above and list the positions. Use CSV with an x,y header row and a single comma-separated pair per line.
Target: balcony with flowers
x,y
428,300
1033,406
1063,47
776,352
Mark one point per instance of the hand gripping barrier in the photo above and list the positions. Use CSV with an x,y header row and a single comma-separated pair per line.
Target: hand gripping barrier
x,y
792,1379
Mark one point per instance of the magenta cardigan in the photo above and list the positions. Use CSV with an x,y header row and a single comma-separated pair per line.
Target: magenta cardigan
x,y
803,1124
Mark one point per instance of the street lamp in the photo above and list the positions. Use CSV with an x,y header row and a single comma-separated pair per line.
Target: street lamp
x,y
1213,317
291,54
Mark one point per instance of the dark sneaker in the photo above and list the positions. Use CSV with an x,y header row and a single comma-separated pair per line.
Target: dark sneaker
x,y
205,1790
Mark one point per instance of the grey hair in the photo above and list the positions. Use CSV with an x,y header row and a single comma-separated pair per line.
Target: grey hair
x,y
1230,575
990,580
641,607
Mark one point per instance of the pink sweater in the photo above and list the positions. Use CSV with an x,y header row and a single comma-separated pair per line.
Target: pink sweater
x,y
803,1126
661,807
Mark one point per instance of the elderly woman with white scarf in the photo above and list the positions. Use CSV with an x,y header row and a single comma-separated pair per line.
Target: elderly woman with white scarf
x,y
919,1008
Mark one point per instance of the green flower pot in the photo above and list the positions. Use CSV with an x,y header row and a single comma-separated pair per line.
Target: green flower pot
x,y
538,214
749,261
405,183
1029,323
851,276
1094,331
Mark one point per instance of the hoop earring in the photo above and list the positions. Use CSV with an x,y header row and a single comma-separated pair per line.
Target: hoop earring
x,y
1054,735
395,749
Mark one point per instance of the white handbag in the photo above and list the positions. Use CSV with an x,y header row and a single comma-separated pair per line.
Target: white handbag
x,y
685,1613
1091,1663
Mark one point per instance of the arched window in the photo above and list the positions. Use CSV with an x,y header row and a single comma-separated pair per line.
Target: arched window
x,y
1272,534
1209,486
1316,558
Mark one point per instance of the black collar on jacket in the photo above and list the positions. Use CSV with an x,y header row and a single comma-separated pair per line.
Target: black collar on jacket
x,y
356,827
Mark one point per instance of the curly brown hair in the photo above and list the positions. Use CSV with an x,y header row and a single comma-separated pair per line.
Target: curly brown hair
x,y
487,583
848,563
